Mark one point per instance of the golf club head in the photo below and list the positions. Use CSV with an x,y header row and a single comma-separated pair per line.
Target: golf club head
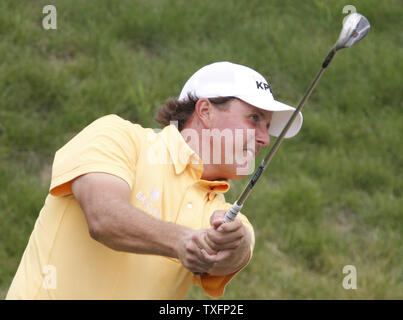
x,y
355,27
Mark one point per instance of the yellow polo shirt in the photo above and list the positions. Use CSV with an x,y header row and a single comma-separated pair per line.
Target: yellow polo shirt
x,y
62,261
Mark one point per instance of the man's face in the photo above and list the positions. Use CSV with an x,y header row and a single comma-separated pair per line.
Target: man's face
x,y
237,133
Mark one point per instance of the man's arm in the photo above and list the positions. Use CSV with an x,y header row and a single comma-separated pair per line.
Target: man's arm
x,y
113,221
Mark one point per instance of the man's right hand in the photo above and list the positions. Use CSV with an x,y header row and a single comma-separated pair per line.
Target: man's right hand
x,y
192,256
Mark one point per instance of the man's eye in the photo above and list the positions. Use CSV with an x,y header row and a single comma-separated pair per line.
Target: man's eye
x,y
268,126
254,117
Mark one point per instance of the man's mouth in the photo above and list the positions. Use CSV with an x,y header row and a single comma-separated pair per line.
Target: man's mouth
x,y
250,152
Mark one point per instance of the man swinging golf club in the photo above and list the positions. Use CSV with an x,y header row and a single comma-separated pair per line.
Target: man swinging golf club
x,y
119,225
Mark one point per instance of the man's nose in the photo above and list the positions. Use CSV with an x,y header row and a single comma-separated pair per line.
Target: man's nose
x,y
262,138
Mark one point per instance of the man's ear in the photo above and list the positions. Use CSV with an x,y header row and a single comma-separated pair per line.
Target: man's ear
x,y
204,112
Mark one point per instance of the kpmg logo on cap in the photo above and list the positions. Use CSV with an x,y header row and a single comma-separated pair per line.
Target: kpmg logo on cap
x,y
263,85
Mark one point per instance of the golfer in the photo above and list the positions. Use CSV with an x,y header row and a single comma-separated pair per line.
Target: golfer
x,y
135,213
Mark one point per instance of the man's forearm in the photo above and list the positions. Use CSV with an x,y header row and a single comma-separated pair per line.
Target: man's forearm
x,y
115,222
123,227
126,228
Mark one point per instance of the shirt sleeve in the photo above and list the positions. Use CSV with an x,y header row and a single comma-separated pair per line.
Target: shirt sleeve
x,y
108,145
214,286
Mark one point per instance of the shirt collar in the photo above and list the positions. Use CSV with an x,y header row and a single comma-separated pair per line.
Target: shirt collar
x,y
183,156
179,151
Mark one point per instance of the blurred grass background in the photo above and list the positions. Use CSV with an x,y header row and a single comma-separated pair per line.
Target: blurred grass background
x,y
331,197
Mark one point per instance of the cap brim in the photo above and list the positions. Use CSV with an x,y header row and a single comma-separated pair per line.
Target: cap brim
x,y
281,114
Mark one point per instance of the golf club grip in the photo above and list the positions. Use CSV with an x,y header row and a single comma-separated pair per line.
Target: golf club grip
x,y
232,213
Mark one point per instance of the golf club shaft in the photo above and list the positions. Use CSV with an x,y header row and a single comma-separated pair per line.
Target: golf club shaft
x,y
237,206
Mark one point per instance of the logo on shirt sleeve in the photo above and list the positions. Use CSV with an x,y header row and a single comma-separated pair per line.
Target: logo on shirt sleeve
x,y
150,204
155,194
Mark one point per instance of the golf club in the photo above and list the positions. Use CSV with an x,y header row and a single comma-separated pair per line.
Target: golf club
x,y
355,27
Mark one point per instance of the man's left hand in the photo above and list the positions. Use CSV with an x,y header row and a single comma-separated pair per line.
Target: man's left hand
x,y
224,238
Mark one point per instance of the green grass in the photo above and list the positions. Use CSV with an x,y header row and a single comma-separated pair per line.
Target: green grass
x,y
331,197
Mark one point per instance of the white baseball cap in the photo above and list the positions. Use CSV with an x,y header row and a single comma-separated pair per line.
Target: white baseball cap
x,y
226,79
